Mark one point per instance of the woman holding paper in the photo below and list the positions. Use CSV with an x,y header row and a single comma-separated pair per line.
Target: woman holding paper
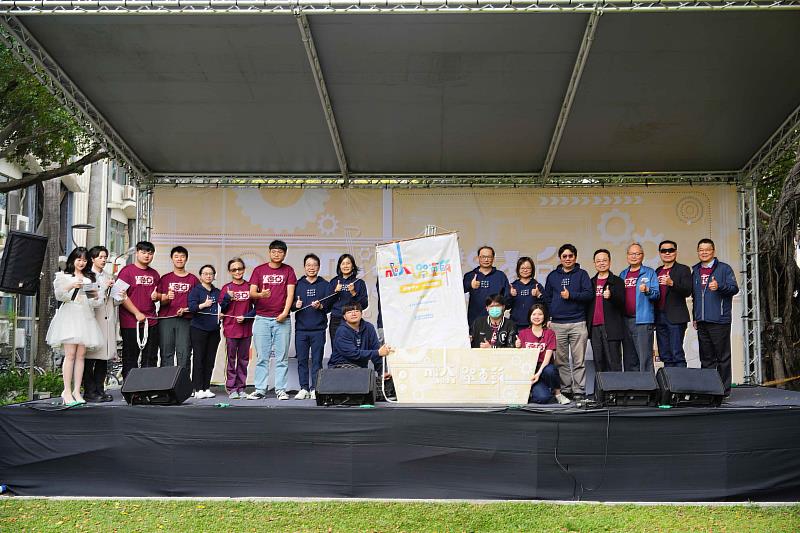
x,y
545,381
96,359
74,326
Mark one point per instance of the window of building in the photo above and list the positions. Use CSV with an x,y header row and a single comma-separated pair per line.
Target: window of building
x,y
117,237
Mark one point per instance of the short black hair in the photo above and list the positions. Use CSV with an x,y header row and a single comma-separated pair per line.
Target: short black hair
x,y
179,250
95,251
523,259
278,245
570,247
214,270
352,306
311,256
486,247
145,246
236,260
706,241
602,251
496,299
662,243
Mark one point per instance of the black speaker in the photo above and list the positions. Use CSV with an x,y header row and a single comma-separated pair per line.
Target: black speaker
x,y
346,386
21,266
697,387
168,385
625,388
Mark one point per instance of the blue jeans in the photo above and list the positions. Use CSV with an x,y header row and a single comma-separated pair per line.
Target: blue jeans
x,y
669,338
637,346
303,342
271,337
542,390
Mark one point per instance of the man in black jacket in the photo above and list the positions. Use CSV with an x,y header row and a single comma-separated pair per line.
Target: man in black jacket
x,y
605,315
672,315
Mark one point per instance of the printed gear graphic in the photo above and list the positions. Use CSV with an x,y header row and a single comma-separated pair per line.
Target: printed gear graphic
x,y
327,224
648,237
619,238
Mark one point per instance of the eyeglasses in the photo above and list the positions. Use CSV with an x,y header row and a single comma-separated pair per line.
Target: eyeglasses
x,y
635,254
567,256
485,257
237,270
668,250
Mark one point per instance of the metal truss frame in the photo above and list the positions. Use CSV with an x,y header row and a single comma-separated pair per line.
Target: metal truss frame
x,y
290,7
36,59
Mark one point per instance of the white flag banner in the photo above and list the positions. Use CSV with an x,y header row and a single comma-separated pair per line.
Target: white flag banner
x,y
421,293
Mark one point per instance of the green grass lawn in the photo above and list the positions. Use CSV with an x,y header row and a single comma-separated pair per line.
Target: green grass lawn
x,y
334,516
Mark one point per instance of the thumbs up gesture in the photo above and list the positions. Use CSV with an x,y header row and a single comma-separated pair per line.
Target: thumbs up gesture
x,y
338,286
155,296
565,293
607,292
669,281
643,288
475,283
171,294
713,284
208,303
536,292
299,303
513,291
518,343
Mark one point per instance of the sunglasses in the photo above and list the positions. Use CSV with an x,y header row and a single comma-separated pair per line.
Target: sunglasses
x,y
668,250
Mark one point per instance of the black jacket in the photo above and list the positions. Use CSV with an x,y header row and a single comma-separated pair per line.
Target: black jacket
x,y
613,308
482,331
675,305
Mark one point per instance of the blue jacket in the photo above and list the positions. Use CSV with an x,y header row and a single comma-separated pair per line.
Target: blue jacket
x,y
356,347
580,290
495,282
521,303
345,297
311,319
201,320
714,306
645,303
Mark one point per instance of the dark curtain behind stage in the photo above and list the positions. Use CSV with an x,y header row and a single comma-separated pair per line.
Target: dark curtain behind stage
x,y
652,455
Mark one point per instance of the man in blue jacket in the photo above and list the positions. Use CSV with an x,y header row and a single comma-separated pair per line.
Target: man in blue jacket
x,y
567,292
482,282
641,294
356,342
713,288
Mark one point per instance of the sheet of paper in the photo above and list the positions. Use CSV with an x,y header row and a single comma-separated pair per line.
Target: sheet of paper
x,y
118,290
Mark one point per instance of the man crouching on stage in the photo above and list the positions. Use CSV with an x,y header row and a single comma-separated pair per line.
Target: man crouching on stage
x,y
356,342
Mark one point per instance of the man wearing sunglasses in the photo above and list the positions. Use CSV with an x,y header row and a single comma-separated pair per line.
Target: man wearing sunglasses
x,y
672,314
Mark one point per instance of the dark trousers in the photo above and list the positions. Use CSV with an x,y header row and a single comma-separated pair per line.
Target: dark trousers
x,y
204,352
174,342
714,341
542,390
130,349
637,346
669,338
305,342
333,326
238,359
607,354
94,377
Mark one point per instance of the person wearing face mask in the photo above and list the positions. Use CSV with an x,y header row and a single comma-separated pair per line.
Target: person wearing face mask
x,y
494,330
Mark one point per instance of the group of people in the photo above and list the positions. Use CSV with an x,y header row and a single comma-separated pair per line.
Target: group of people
x,y
619,315
175,319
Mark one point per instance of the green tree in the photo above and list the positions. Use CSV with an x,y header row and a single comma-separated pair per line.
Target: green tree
x,y
34,123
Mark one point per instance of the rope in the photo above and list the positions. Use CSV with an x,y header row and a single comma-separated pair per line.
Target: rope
x,y
779,381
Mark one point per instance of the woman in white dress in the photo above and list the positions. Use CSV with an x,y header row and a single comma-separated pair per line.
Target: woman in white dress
x,y
96,364
74,326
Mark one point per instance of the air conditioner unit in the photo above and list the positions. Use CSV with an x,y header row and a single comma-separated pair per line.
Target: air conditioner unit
x,y
18,223
129,193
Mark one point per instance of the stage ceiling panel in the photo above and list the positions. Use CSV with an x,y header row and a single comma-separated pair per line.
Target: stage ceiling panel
x,y
447,93
198,93
682,91
441,93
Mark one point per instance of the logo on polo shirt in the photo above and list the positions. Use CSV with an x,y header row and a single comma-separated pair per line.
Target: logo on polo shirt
x,y
239,296
630,282
272,279
178,286
145,280
704,279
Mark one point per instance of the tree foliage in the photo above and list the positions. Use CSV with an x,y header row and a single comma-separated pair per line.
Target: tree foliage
x,y
34,123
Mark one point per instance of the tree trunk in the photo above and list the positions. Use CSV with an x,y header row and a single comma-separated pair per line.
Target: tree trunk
x,y
50,228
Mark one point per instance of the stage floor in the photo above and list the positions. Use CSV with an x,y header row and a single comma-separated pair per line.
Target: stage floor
x,y
748,449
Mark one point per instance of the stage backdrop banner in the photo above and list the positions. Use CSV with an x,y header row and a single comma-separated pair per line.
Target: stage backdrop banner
x,y
422,296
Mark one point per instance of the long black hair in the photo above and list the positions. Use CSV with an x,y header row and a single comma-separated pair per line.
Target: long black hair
x,y
83,253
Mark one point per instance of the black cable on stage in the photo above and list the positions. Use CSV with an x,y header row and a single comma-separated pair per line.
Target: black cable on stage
x,y
605,459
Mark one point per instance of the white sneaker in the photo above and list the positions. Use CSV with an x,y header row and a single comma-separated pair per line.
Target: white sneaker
x,y
281,395
256,395
563,400
302,395
234,395
313,395
209,394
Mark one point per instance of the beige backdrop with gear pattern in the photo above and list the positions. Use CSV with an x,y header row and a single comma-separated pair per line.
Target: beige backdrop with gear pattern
x,y
217,224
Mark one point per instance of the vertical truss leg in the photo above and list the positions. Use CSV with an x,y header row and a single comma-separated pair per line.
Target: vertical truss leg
x,y
751,308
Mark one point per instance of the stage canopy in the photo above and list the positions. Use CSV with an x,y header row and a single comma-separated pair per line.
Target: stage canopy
x,y
205,90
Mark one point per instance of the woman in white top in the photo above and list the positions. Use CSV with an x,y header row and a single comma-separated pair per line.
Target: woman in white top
x,y
74,326
96,363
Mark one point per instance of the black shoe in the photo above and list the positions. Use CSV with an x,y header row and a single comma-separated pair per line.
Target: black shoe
x,y
106,398
578,397
92,398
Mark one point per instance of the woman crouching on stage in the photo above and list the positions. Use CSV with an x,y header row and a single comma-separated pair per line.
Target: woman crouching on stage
x,y
546,383
204,331
494,331
74,326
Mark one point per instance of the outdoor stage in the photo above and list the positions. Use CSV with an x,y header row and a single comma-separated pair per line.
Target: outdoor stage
x,y
749,449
